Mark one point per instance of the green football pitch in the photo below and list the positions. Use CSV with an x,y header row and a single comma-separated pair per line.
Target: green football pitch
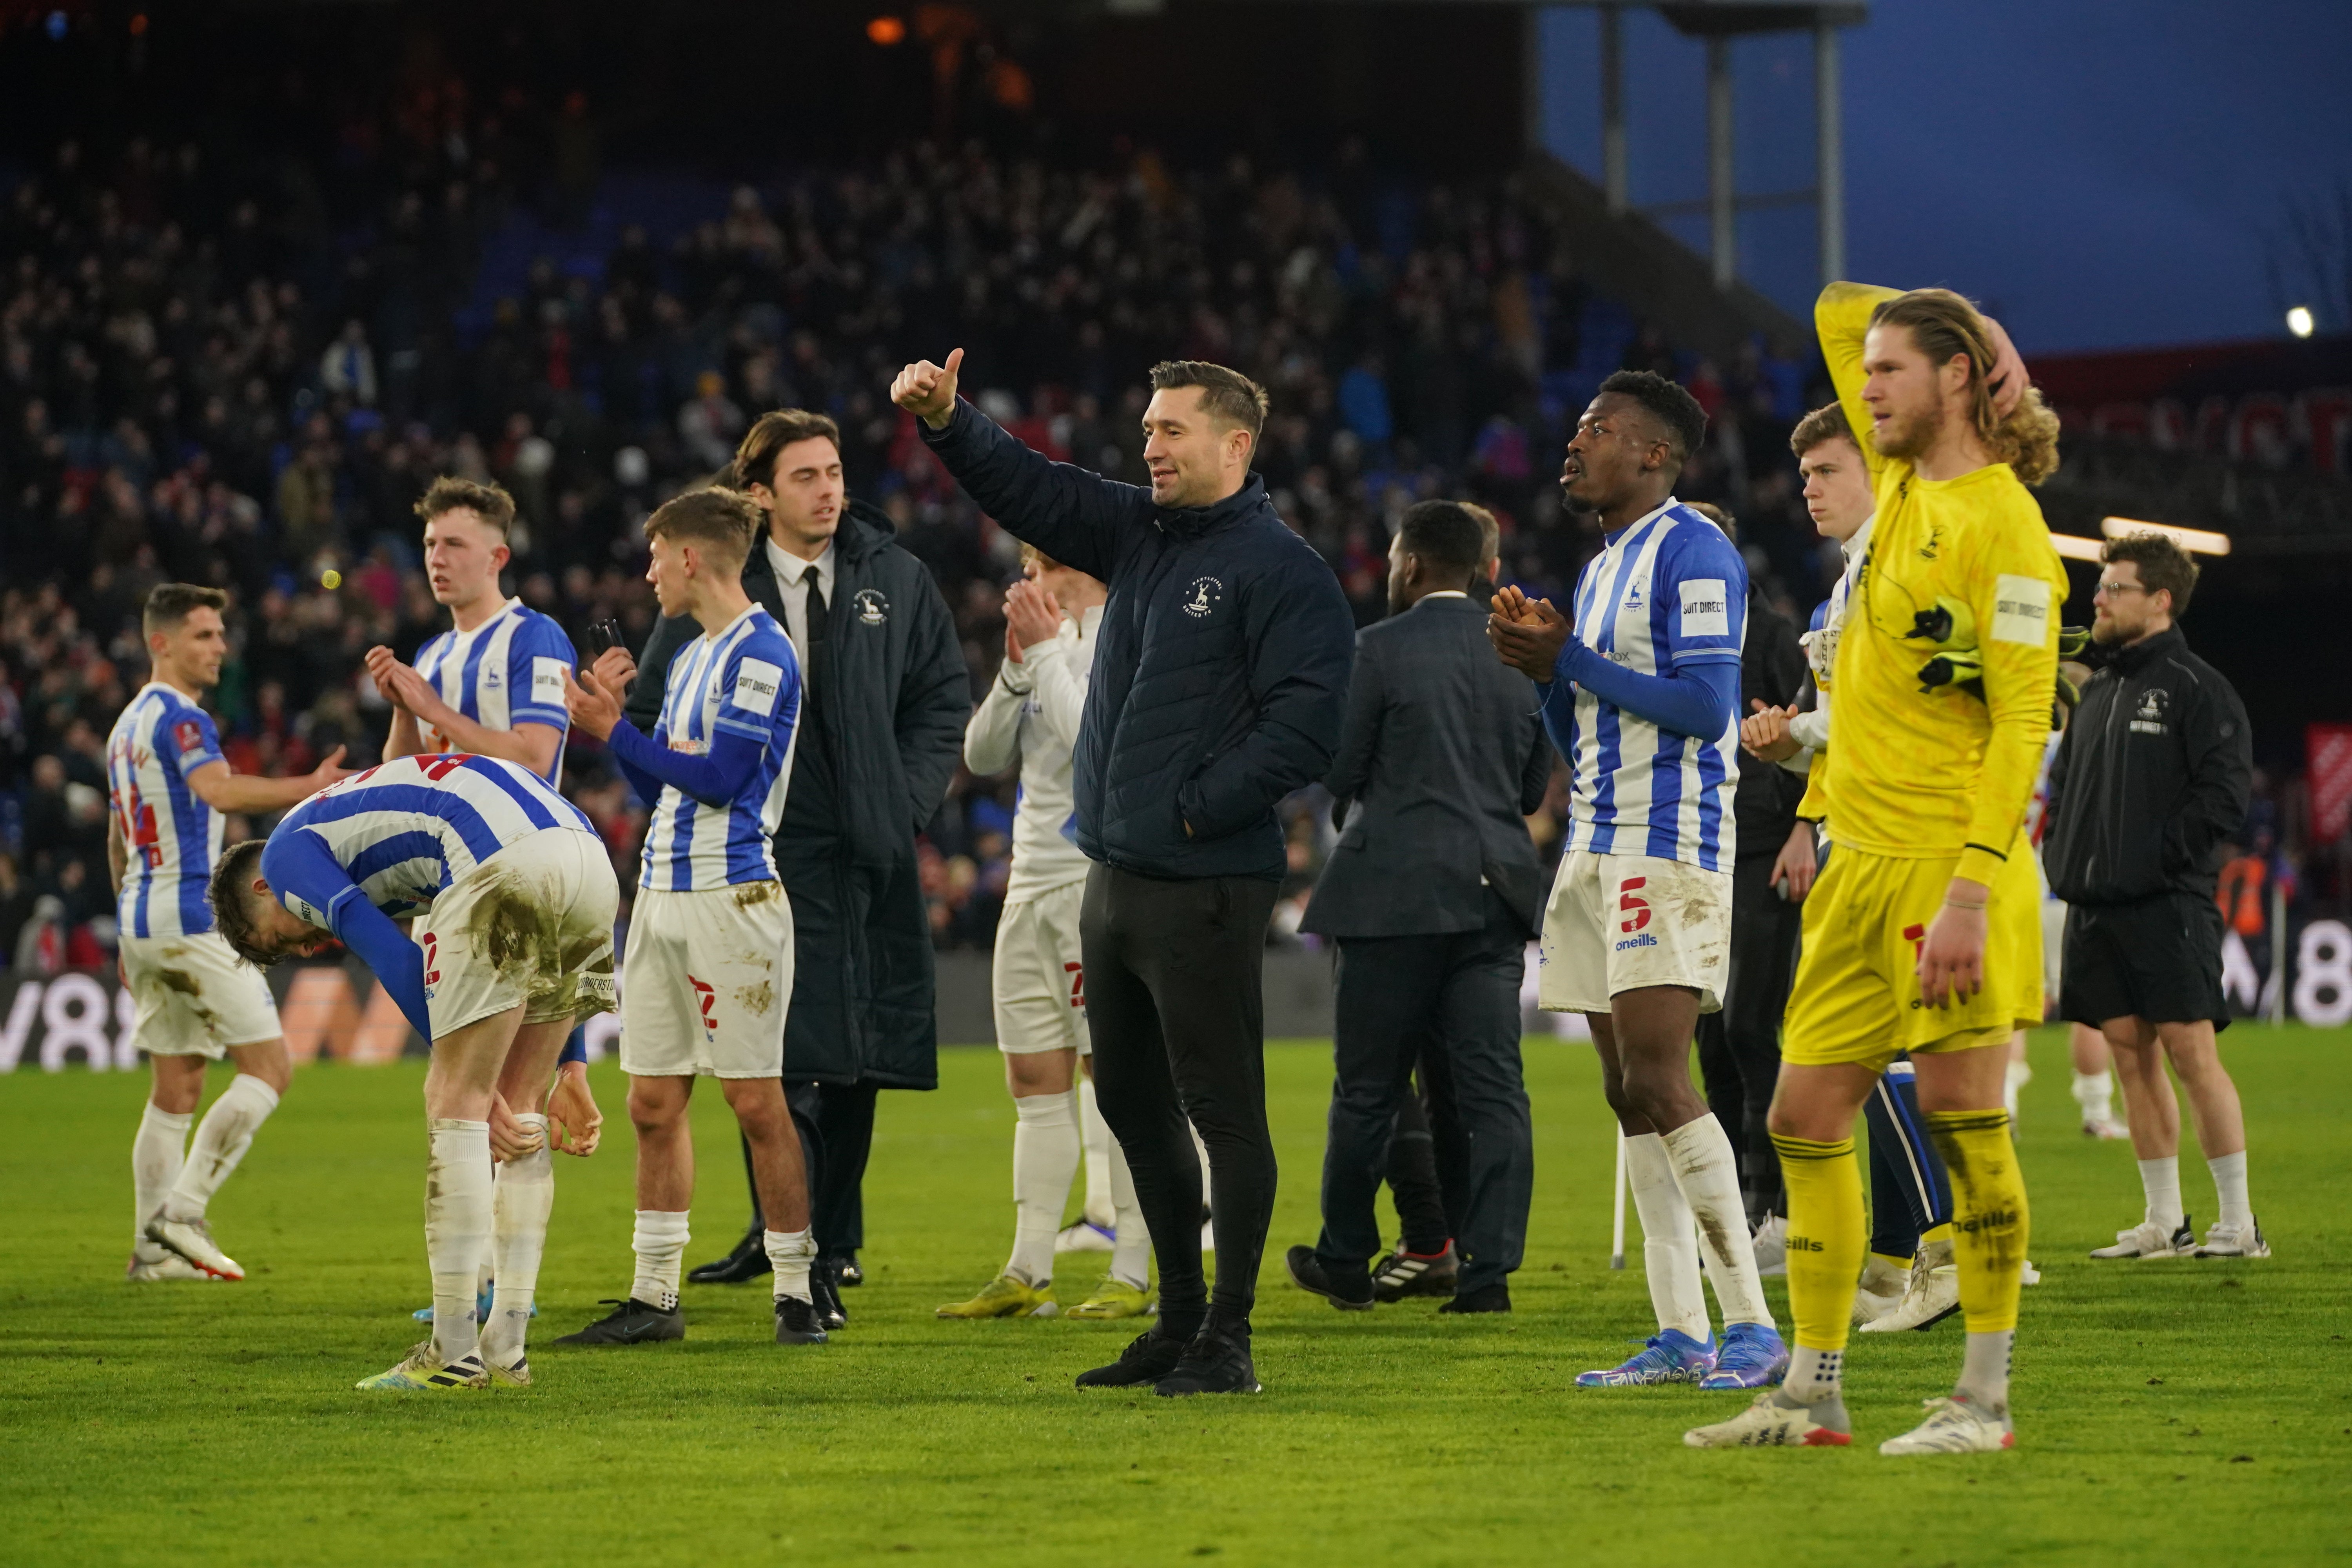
x,y
2183,1411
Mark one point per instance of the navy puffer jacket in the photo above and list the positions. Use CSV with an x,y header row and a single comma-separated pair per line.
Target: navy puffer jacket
x,y
1220,663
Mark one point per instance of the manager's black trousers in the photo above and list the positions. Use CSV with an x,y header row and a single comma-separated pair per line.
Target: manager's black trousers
x,y
1739,1047
1452,999
1176,1005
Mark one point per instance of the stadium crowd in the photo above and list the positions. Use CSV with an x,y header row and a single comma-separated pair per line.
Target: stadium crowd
x,y
210,375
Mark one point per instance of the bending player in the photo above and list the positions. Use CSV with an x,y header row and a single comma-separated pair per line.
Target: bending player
x,y
514,898
169,787
1945,672
493,686
1037,975
1641,697
708,969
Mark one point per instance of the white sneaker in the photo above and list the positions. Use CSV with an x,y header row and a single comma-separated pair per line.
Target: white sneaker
x,y
193,1239
2027,1274
1085,1237
1932,1294
168,1267
2104,1126
1880,1287
2225,1240
514,1375
2149,1239
1770,1423
1773,1247
1955,1425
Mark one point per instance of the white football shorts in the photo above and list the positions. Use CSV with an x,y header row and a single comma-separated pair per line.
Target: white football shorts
x,y
195,997
1620,922
532,925
1038,977
707,982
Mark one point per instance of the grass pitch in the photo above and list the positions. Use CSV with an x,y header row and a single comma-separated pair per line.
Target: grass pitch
x,y
2187,1412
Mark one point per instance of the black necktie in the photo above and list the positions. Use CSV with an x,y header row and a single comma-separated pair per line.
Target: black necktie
x,y
817,614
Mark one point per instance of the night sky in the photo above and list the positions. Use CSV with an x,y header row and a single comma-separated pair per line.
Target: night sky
x,y
2101,174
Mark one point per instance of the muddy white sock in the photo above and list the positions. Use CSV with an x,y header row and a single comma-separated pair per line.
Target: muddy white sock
x,y
1984,1375
790,1253
1102,1202
661,1242
524,1197
1669,1249
2160,1179
2096,1093
157,1152
1044,1158
1814,1375
1709,1173
1131,1252
457,1225
221,1139
2229,1184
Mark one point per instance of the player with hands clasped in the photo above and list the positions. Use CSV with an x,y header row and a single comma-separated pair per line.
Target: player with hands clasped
x,y
169,790
1640,694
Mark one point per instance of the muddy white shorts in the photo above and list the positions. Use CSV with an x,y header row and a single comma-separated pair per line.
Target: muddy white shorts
x,y
532,925
1619,922
196,996
707,982
1038,976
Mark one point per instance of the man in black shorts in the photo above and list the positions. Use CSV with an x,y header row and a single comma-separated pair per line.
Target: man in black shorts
x,y
2151,779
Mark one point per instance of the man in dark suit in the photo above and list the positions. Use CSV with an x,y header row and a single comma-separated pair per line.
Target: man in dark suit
x,y
1432,894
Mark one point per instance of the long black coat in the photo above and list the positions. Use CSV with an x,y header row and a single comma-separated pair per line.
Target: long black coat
x,y
891,695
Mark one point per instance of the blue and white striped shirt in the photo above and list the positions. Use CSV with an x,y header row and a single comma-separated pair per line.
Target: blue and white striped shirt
x,y
401,832
742,680
170,835
1668,591
506,671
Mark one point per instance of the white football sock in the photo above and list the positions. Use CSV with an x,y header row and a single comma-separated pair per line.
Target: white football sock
x,y
2096,1093
1709,1173
521,1202
1102,1202
221,1139
1669,1249
2229,1183
456,1230
1814,1375
157,1153
2015,1077
660,1243
1984,1373
2160,1179
1045,1159
790,1253
1131,1251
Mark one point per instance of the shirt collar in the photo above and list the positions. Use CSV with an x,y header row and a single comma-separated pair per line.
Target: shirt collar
x,y
791,571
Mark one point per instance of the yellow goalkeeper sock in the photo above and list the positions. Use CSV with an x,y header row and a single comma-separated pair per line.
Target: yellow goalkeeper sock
x,y
1989,1214
1827,1238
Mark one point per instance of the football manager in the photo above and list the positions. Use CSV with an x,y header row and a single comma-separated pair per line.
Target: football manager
x,y
1220,682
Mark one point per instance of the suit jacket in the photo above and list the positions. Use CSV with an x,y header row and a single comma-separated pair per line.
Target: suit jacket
x,y
1440,762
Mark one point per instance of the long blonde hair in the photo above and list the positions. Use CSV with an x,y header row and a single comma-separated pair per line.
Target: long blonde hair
x,y
1945,324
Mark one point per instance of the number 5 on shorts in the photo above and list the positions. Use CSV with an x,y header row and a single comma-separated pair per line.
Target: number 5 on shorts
x,y
1639,908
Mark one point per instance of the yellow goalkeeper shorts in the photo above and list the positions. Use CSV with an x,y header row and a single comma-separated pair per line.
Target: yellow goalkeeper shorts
x,y
1856,995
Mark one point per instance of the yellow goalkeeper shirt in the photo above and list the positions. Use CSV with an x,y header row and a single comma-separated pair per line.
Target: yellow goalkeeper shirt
x,y
1921,774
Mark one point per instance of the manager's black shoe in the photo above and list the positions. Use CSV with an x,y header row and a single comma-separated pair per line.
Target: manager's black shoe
x,y
846,1272
1349,1293
748,1261
1216,1362
1494,1298
1405,1272
1147,1359
826,1294
797,1322
631,1322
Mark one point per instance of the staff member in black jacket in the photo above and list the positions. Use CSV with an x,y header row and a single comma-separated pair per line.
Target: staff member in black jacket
x,y
887,697
2151,778
1220,673
1432,894
1739,1047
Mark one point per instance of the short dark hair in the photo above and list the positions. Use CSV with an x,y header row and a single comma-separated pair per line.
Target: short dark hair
x,y
1827,423
1717,516
1445,534
232,897
168,605
1674,408
488,501
1225,394
2162,564
771,433
723,521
